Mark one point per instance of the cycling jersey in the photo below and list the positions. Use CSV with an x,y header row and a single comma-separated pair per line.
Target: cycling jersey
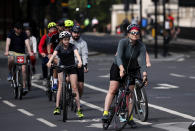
x,y
127,55
44,42
17,42
82,49
66,55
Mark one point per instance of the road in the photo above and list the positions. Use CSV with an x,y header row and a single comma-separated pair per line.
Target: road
x,y
171,95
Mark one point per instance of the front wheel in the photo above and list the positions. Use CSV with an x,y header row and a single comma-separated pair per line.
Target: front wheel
x,y
65,103
141,104
20,84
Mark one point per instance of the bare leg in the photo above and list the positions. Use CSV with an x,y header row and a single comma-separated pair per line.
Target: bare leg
x,y
73,81
60,80
112,89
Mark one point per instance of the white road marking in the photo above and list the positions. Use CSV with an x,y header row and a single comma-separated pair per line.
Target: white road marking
x,y
91,105
95,88
46,122
105,76
168,85
192,77
172,112
9,103
142,123
165,86
25,112
39,86
177,75
180,59
85,120
95,125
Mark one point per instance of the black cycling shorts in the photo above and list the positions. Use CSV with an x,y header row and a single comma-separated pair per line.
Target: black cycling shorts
x,y
80,74
68,71
115,74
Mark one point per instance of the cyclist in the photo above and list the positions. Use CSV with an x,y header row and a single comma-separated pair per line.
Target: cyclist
x,y
66,52
33,45
43,48
126,60
68,25
83,52
15,45
54,40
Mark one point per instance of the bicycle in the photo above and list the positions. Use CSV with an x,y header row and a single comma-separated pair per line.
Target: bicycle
x,y
50,81
67,94
141,101
29,73
17,81
121,106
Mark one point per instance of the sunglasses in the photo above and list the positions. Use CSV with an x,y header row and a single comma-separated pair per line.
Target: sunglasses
x,y
134,33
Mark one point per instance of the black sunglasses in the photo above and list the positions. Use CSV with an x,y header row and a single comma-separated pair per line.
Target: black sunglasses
x,y
134,33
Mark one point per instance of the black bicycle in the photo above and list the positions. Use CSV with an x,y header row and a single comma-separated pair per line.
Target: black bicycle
x,y
68,97
120,107
17,79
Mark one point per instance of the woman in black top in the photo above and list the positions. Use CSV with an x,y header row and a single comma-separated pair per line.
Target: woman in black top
x,y
66,52
126,60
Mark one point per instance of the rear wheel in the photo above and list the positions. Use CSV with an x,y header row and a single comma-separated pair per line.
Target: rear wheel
x,y
49,86
15,92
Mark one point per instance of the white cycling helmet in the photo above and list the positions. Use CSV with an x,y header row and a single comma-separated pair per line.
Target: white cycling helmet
x,y
64,34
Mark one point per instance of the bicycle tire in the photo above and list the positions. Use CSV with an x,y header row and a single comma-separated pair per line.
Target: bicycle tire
x,y
141,105
65,105
29,76
49,91
20,84
15,92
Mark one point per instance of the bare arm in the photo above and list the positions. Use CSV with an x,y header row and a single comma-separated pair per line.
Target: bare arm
x,y
78,58
8,41
27,43
51,58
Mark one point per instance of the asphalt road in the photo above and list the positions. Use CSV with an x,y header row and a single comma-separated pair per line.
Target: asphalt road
x,y
171,96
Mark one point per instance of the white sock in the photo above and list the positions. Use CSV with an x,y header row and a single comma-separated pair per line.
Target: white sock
x,y
55,81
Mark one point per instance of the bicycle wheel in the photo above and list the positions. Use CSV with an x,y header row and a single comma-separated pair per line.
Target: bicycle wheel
x,y
49,86
141,104
65,101
20,84
29,76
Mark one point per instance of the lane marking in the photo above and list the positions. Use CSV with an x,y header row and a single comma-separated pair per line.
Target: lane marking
x,y
25,112
177,75
39,86
153,106
9,103
105,76
86,120
172,112
95,88
165,86
192,77
91,105
168,85
180,59
46,122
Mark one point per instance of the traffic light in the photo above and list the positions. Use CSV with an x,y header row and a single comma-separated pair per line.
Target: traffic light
x,y
89,3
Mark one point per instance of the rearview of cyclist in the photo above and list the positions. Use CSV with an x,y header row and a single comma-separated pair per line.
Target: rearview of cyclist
x,y
66,52
15,45
126,60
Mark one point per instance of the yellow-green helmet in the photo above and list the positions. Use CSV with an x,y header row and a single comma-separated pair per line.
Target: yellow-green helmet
x,y
51,24
68,23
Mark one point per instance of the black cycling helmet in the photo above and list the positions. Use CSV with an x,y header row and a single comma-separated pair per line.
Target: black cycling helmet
x,y
133,26
18,25
192,126
76,28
